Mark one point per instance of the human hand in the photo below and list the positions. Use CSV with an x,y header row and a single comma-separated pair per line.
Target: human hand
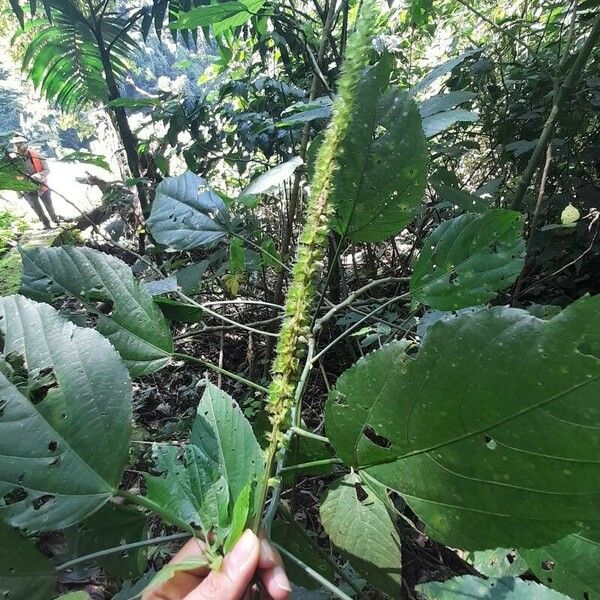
x,y
249,556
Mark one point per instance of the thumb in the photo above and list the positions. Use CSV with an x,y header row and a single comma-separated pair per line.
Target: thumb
x,y
234,577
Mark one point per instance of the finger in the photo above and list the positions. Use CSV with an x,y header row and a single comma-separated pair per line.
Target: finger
x,y
235,575
183,582
275,579
268,558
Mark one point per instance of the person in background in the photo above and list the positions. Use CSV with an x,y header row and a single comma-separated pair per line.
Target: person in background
x,y
37,168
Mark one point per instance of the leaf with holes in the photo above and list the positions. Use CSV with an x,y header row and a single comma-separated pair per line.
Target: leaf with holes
x,y
491,432
468,259
186,213
225,436
105,285
499,562
349,406
378,187
113,525
505,588
358,523
24,571
569,565
189,490
65,417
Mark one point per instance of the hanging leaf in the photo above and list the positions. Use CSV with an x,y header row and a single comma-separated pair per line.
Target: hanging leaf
x,y
105,285
490,433
190,491
186,213
569,565
465,200
111,526
237,256
24,571
441,121
202,16
65,417
88,158
358,523
271,181
12,179
468,586
468,259
444,102
382,173
225,436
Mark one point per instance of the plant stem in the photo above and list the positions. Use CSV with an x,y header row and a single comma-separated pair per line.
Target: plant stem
x,y
313,463
147,503
117,549
220,370
312,573
309,434
295,330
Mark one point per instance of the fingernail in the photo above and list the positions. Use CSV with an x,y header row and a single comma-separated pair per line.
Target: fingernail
x,y
242,551
280,579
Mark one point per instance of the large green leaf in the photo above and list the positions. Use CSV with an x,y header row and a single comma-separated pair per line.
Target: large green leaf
x,y
499,562
358,523
382,172
25,573
186,213
65,417
569,565
111,526
468,259
127,316
505,588
202,16
490,433
225,436
12,179
357,393
190,490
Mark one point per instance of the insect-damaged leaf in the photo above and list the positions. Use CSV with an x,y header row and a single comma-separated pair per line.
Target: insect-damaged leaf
x,y
65,417
569,565
225,436
105,285
505,588
468,259
490,433
382,173
358,523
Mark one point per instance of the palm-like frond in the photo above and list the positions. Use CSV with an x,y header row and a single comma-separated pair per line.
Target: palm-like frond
x,y
64,63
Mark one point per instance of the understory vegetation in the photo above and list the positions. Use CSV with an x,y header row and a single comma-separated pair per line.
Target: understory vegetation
x,y
345,292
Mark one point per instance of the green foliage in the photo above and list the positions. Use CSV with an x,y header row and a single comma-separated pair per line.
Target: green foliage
x,y
492,452
24,571
11,226
107,288
468,259
504,588
569,565
186,213
358,523
382,163
56,379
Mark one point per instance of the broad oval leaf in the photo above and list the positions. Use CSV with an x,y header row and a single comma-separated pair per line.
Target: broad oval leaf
x,y
490,433
186,213
378,187
461,198
24,571
105,285
505,588
468,259
441,121
65,417
569,565
270,181
500,562
225,436
358,523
